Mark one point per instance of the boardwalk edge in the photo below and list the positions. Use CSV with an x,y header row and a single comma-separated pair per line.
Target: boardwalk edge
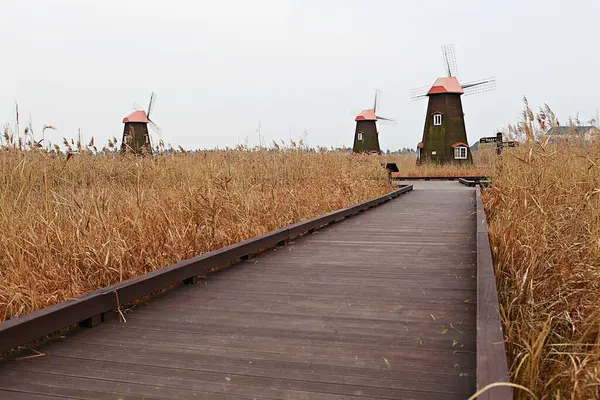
x,y
89,309
492,364
440,178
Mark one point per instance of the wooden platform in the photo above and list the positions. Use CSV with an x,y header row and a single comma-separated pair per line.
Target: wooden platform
x,y
380,306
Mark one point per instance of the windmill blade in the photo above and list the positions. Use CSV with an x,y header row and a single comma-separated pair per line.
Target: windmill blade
x,y
377,93
419,93
479,86
155,128
151,104
385,120
450,60
136,106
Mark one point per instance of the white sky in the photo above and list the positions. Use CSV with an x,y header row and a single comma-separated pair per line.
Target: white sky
x,y
220,67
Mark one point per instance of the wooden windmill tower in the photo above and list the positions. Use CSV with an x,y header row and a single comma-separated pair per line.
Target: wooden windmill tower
x,y
444,135
366,136
136,138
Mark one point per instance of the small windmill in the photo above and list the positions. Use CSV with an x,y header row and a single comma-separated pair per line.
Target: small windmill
x,y
366,136
444,135
136,138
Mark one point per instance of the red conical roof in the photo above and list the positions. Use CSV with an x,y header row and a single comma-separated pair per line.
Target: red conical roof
x,y
446,85
366,115
136,116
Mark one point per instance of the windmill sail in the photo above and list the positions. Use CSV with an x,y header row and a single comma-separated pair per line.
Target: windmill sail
x,y
419,93
479,86
156,128
377,94
375,103
150,105
450,60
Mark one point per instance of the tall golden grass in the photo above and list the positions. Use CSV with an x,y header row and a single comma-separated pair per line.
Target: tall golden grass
x,y
544,222
72,224
483,160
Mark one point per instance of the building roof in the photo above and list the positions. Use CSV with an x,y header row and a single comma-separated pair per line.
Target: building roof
x,y
478,145
366,115
446,85
420,145
570,130
458,144
136,116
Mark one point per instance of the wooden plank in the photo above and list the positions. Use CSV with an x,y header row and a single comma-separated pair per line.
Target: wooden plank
x,y
102,387
492,365
165,366
474,182
192,379
264,362
36,391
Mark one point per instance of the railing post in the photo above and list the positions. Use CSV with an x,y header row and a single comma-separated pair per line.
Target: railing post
x,y
92,321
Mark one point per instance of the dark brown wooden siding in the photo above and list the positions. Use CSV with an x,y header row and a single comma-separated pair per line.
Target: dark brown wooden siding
x,y
136,138
452,130
370,140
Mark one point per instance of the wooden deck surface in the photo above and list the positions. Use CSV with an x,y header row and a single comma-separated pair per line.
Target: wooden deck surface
x,y
379,306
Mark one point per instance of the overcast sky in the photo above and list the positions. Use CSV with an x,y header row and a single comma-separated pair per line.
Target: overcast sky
x,y
219,68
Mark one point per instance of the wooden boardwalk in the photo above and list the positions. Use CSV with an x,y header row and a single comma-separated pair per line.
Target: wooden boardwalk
x,y
379,306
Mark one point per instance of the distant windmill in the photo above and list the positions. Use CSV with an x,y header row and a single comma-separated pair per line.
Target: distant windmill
x,y
136,138
366,136
444,135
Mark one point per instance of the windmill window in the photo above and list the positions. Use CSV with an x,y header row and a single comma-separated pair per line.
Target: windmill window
x,y
360,137
460,153
437,119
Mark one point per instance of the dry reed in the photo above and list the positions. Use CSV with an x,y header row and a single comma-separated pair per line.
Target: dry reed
x,y
74,224
544,221
482,161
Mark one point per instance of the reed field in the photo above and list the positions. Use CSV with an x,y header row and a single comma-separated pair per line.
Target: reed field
x,y
483,161
73,224
544,221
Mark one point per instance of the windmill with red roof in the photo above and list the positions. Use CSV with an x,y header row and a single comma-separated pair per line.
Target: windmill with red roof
x,y
366,136
136,138
444,135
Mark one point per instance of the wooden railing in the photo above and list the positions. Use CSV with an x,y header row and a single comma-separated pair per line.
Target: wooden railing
x,y
492,365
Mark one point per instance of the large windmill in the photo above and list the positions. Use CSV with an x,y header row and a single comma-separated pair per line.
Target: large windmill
x,y
136,138
366,136
444,135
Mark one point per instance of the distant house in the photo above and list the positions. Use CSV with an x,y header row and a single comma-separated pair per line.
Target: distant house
x,y
478,146
575,132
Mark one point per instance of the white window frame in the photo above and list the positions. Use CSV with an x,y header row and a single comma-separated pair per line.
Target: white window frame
x,y
460,153
360,136
437,119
